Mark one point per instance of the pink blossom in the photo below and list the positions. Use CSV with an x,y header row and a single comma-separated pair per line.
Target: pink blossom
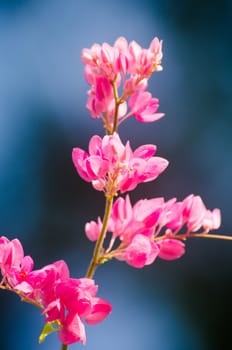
x,y
139,219
11,254
145,61
156,48
39,285
126,221
194,211
100,310
93,229
76,300
170,249
13,264
133,85
126,67
113,167
148,211
212,219
141,251
190,213
64,300
17,277
121,216
101,98
144,107
153,227
72,330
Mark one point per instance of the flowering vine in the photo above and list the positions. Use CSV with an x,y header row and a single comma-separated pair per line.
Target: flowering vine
x,y
138,234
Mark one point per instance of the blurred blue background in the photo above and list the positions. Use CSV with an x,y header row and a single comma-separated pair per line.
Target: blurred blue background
x,y
185,304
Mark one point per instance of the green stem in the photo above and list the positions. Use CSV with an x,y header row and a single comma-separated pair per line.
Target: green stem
x,y
98,247
115,126
64,347
117,103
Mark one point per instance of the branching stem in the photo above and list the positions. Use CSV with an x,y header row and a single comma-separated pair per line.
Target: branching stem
x,y
99,244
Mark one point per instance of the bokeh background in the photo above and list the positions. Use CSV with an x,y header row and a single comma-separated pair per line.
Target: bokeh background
x,y
185,304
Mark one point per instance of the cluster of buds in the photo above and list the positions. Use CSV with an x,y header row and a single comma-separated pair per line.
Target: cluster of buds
x,y
64,301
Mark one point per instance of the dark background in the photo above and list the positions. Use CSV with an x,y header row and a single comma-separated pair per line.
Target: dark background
x,y
185,304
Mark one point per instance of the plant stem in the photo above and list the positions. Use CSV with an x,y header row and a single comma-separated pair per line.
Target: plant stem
x,y
98,247
200,235
64,347
117,103
194,235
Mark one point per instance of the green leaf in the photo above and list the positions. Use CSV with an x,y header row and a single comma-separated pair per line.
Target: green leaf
x,y
47,329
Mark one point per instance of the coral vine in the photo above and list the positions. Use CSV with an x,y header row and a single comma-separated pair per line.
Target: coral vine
x,y
118,77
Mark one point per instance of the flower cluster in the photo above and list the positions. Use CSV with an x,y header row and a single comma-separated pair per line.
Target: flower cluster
x,y
125,67
137,234
113,167
64,301
153,228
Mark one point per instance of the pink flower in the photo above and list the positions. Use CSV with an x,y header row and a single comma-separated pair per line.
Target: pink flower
x,y
40,284
121,216
194,211
170,249
17,277
156,49
13,264
72,330
140,252
76,300
145,61
126,67
153,227
93,229
64,300
100,310
11,255
113,167
144,107
127,221
212,219
107,60
101,98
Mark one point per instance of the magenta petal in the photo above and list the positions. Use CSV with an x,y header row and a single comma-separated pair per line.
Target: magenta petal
x,y
141,251
92,229
72,330
27,264
196,215
145,151
100,311
24,287
154,167
96,167
104,90
79,156
16,252
148,118
122,209
95,144
62,269
171,249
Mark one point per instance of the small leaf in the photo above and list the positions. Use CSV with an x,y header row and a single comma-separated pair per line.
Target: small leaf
x,y
47,329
